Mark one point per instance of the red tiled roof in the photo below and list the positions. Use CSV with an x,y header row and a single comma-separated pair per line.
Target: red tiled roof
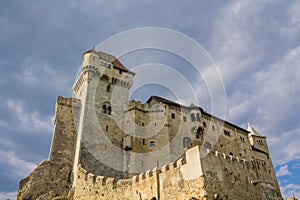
x,y
110,58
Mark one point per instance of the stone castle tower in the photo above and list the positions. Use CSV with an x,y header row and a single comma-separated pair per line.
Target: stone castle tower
x,y
105,147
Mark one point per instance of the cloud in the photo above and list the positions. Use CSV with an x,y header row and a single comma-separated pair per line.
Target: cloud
x,y
254,43
283,171
260,70
18,167
290,190
8,195
29,121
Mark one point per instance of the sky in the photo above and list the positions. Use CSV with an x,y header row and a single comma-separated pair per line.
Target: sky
x,y
254,44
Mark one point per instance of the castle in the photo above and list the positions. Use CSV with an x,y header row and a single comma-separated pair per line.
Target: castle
x,y
105,147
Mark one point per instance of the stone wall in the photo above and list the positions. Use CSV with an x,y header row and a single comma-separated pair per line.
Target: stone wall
x,y
52,178
217,176
228,177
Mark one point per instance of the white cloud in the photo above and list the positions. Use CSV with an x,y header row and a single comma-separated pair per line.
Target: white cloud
x,y
37,74
260,70
285,146
8,195
283,171
17,167
289,190
29,121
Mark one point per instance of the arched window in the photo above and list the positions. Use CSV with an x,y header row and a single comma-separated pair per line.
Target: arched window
x,y
198,117
192,117
108,110
187,142
104,109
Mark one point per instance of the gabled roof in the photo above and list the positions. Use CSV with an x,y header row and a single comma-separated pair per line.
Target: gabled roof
x,y
110,58
253,131
192,106
169,102
160,99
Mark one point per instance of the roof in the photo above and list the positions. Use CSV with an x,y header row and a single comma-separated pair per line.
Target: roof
x,y
160,99
226,122
192,106
110,58
252,131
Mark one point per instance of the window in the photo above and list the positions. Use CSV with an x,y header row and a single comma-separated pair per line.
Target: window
x,y
173,115
192,117
184,118
260,142
200,130
106,109
120,71
204,124
187,142
213,127
242,139
198,117
152,144
108,88
106,128
144,142
207,145
227,133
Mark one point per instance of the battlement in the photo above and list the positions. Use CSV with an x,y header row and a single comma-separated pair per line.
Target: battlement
x,y
65,101
146,108
259,165
102,91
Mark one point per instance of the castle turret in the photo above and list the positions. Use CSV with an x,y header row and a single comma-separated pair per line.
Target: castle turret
x,y
103,88
261,154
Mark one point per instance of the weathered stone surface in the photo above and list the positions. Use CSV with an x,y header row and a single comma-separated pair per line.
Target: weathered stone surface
x,y
105,147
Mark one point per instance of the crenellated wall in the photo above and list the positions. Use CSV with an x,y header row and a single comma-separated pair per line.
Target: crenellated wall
x,y
216,176
105,147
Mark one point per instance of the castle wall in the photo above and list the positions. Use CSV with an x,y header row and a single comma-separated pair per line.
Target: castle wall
x,y
228,177
52,178
106,148
216,176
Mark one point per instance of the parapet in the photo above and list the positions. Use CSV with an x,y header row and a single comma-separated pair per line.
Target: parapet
x,y
66,101
147,183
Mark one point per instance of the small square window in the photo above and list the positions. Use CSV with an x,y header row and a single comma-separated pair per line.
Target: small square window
x,y
152,144
227,133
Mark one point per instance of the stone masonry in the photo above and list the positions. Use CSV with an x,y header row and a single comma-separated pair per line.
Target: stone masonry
x,y
106,147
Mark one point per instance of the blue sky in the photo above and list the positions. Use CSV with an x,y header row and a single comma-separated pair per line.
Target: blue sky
x,y
255,44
